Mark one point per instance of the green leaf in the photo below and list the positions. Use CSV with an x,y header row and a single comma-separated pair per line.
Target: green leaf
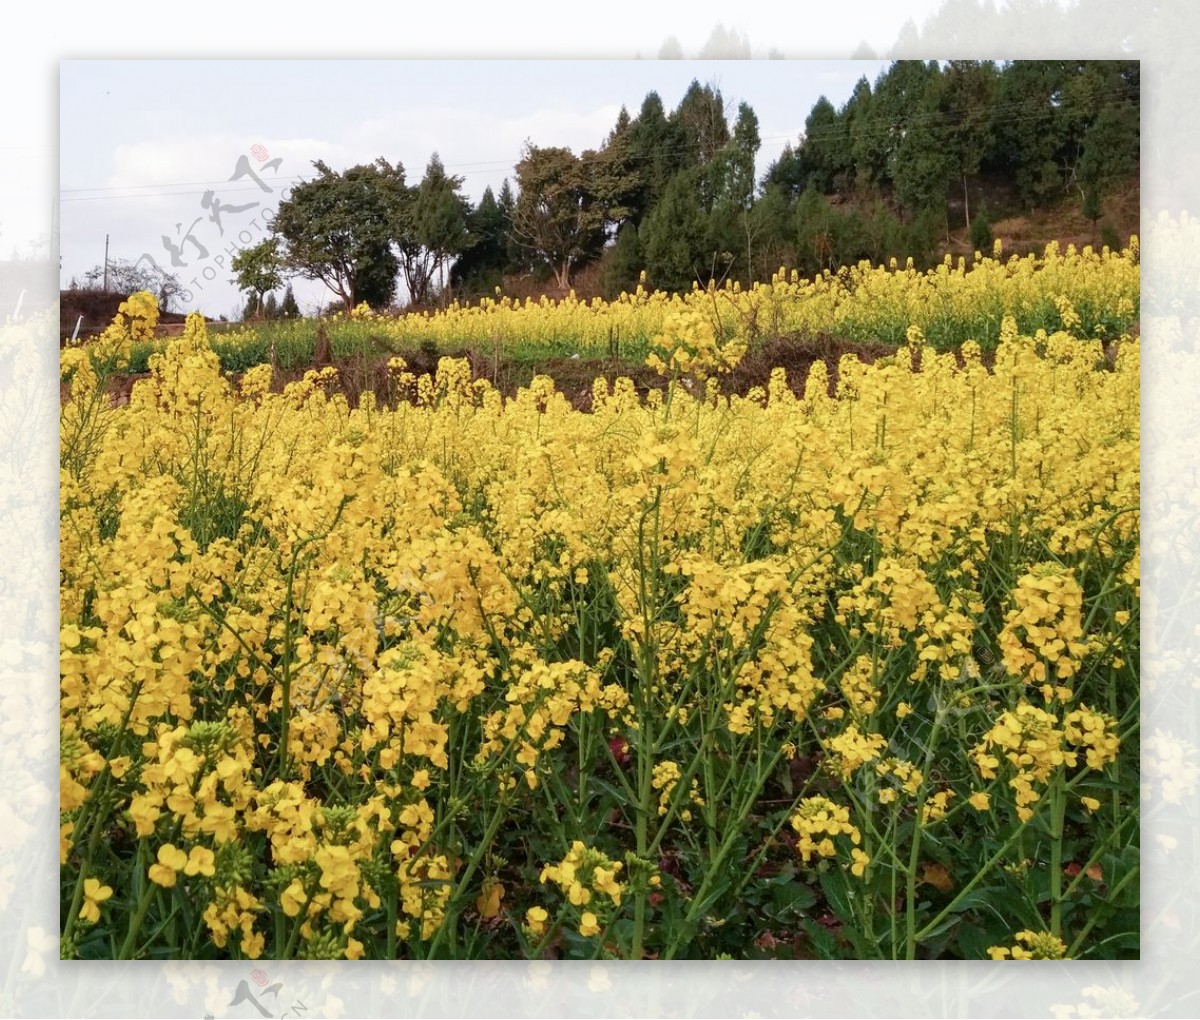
x,y
824,946
974,941
792,896
833,884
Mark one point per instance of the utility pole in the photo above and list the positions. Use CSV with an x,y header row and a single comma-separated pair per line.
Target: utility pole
x,y
105,284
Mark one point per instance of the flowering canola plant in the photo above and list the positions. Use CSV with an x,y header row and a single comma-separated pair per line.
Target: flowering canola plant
x,y
1086,293
484,677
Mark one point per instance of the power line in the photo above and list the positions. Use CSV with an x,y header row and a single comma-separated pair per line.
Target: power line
x,y
1036,110
1022,111
488,164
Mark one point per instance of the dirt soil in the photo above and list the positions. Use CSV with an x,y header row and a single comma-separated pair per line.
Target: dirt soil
x,y
573,377
97,309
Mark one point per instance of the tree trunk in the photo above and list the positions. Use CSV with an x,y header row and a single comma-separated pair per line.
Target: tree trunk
x,y
322,351
749,263
967,205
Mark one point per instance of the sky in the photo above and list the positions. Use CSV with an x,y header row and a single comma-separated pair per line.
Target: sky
x,y
143,142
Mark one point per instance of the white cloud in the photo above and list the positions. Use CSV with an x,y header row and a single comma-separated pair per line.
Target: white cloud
x,y
481,148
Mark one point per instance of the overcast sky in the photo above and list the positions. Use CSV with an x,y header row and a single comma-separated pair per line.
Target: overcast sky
x,y
142,142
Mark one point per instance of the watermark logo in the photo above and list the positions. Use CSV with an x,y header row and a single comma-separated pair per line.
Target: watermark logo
x,y
247,1003
188,243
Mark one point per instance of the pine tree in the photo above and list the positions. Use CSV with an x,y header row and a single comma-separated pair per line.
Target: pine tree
x,y
967,105
288,308
623,262
481,266
823,157
655,152
675,237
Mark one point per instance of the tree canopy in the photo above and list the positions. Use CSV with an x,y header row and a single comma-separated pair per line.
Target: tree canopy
x,y
558,214
928,149
259,269
337,228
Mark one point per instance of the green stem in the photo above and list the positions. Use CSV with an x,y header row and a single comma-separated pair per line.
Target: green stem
x,y
966,889
548,934
892,906
77,895
484,844
716,864
647,672
645,800
96,816
295,936
286,678
910,891
752,870
135,923
911,937
1058,809
286,666
1013,431
391,919
1129,876
1096,854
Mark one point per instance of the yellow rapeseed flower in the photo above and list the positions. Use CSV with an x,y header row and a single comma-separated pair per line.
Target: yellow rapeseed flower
x,y
94,893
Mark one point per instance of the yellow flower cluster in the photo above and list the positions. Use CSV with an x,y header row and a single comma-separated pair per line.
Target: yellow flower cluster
x,y
171,861
852,749
689,343
905,778
858,687
135,322
542,701
934,808
1041,640
1036,745
818,821
1094,733
1031,945
584,871
94,894
665,778
899,600
234,908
